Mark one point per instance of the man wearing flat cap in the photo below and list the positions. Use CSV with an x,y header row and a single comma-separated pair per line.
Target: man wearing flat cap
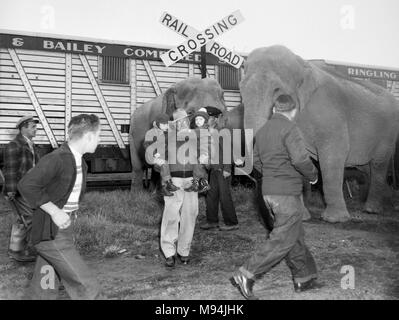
x,y
280,155
20,156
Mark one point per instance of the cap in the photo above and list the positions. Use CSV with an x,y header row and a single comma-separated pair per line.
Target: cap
x,y
202,113
284,103
24,120
162,118
179,114
212,111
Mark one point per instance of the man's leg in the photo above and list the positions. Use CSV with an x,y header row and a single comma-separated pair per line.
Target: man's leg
x,y
300,260
74,273
170,220
212,200
287,229
20,247
189,213
228,209
44,283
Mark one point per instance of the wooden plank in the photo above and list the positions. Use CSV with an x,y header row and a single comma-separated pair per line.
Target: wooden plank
x,y
109,177
33,98
152,77
191,70
10,75
20,113
68,92
37,89
102,101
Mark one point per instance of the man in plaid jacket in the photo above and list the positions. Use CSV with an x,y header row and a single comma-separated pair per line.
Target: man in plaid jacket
x,y
20,156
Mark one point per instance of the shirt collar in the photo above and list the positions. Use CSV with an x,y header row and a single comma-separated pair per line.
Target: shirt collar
x,y
27,139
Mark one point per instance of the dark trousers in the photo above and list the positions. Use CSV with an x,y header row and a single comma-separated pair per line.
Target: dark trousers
x,y
61,256
220,190
21,229
286,241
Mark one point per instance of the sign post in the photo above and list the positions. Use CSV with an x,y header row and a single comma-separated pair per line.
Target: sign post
x,y
196,40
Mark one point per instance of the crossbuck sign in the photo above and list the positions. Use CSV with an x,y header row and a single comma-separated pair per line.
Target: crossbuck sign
x,y
198,39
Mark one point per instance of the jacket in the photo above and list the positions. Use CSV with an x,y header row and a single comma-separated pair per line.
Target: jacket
x,y
18,160
280,155
223,162
52,179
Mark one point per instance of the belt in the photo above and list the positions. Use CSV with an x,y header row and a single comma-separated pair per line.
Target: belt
x,y
182,174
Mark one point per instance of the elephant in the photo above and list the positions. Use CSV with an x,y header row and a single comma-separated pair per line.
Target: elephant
x,y
345,122
189,94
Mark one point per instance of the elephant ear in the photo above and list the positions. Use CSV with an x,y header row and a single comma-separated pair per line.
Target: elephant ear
x,y
307,85
169,101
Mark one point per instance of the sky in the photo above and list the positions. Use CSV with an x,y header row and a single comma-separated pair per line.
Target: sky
x,y
352,31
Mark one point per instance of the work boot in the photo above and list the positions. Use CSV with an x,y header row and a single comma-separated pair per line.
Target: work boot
x,y
203,185
22,256
209,225
170,262
244,285
165,192
194,186
184,259
171,186
229,228
307,285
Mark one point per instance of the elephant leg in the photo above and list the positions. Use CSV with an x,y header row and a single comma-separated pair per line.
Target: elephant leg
x,y
332,170
306,215
137,179
378,186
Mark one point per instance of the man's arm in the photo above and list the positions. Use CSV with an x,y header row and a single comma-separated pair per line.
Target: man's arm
x,y
12,157
299,156
33,188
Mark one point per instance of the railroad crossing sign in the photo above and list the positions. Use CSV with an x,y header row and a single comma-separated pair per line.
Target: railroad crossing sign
x,y
198,39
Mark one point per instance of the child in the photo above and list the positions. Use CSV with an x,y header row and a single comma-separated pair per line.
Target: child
x,y
200,182
158,132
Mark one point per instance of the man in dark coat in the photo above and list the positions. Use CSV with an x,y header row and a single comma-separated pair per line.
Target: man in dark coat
x,y
54,189
219,181
280,155
20,156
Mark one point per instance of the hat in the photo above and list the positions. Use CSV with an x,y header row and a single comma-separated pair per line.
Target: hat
x,y
284,103
179,114
202,113
24,120
162,118
212,111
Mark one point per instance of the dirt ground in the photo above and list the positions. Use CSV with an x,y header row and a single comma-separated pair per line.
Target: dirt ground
x,y
368,243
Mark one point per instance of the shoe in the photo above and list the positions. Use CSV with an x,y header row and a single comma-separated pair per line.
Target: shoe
x,y
209,226
170,186
184,259
229,228
165,192
244,285
22,256
307,285
170,262
194,186
203,186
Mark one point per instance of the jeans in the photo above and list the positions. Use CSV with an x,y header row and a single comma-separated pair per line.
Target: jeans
x,y
286,241
61,255
220,190
178,219
20,233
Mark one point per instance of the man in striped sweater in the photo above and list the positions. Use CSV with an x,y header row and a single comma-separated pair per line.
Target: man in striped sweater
x,y
53,189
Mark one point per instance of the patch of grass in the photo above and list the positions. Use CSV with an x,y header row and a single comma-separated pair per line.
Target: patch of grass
x,y
120,218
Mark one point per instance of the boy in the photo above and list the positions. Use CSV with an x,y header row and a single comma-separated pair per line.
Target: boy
x,y
53,188
159,132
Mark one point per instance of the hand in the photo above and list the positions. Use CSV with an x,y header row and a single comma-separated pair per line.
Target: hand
x,y
61,219
314,182
226,174
10,196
